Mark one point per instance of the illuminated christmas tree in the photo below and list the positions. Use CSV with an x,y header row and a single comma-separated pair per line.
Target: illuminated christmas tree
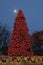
x,y
20,42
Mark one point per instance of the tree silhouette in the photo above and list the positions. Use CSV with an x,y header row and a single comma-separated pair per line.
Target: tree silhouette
x,y
37,40
4,39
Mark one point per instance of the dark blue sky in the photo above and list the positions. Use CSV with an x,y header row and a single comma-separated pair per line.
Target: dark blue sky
x,y
33,11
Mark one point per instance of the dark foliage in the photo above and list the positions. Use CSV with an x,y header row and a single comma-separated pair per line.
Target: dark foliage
x,y
37,41
4,39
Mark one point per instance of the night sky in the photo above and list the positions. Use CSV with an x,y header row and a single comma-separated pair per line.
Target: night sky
x,y
32,9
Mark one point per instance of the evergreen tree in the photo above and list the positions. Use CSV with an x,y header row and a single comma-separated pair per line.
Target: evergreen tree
x,y
20,42
4,39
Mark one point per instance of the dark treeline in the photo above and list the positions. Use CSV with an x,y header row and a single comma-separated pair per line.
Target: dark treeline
x,y
37,41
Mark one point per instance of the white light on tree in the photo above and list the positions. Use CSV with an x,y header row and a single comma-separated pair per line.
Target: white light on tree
x,y
15,11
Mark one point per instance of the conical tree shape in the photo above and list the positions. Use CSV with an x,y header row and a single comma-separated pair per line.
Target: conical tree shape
x,y
20,42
